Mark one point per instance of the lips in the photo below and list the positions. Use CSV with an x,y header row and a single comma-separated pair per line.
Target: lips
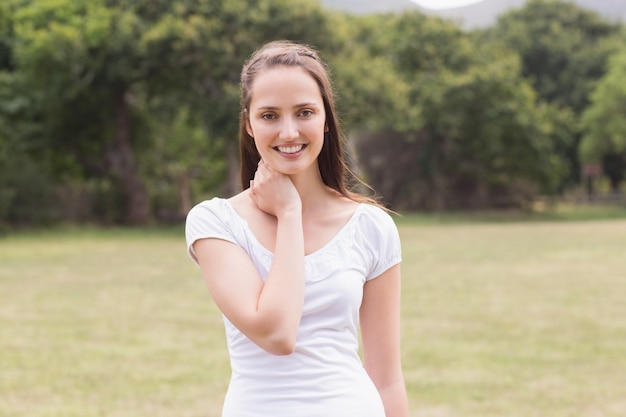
x,y
289,150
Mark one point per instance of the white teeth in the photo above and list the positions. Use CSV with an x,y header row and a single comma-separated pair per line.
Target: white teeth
x,y
290,149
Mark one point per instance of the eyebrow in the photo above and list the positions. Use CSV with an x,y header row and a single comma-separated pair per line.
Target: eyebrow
x,y
297,106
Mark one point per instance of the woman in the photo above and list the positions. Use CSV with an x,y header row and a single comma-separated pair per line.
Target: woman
x,y
297,262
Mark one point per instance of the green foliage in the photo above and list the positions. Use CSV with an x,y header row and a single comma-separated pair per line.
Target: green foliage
x,y
489,129
604,121
477,136
96,69
371,95
564,48
99,64
129,110
604,124
5,37
26,193
423,44
182,163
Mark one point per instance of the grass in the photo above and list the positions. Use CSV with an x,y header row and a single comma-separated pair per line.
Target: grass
x,y
520,319
500,318
106,324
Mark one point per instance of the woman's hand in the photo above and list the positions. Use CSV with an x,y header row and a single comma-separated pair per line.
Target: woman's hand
x,y
267,311
274,192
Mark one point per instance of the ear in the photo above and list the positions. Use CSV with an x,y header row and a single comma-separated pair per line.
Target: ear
x,y
326,128
248,127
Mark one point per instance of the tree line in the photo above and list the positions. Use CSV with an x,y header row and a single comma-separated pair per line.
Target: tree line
x,y
122,112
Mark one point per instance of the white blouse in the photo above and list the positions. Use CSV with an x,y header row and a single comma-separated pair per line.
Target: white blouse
x,y
324,377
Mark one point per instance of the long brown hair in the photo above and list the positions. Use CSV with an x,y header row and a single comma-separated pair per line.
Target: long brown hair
x,y
333,166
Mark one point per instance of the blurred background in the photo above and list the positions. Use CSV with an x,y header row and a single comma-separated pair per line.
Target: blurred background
x,y
497,129
125,112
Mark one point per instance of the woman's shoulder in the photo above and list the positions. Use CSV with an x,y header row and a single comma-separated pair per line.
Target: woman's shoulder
x,y
245,208
375,212
360,213
240,201
374,222
215,205
212,218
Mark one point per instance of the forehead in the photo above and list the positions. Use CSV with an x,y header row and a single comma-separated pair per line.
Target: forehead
x,y
284,84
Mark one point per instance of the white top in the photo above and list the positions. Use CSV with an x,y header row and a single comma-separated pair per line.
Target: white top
x,y
324,376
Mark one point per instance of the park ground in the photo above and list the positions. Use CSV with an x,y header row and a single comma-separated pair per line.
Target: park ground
x,y
503,316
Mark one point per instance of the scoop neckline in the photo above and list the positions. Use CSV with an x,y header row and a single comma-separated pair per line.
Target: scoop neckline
x,y
313,254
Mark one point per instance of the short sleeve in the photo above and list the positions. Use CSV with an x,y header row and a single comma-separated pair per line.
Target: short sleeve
x,y
209,219
383,240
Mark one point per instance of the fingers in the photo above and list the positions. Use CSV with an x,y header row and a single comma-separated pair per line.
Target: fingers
x,y
264,167
262,173
272,191
259,169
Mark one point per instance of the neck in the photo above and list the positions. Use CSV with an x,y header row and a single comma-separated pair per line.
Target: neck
x,y
312,190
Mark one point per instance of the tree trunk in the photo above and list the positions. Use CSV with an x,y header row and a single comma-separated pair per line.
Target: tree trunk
x,y
438,180
184,193
614,167
123,164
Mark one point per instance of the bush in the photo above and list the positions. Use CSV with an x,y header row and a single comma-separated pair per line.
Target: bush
x,y
27,195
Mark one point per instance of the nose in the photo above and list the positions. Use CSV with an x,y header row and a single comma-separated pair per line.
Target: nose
x,y
288,129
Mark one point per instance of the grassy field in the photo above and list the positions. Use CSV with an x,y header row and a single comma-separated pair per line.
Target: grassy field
x,y
501,318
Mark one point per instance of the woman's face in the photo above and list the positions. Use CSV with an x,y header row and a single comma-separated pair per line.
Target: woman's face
x,y
287,119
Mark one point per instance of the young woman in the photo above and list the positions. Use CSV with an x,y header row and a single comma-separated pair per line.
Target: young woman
x,y
297,262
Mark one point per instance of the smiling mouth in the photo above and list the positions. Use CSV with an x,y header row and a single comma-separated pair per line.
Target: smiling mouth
x,y
290,149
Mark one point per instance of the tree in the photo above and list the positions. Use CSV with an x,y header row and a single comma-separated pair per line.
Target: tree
x,y
85,59
476,136
182,163
371,96
240,27
564,50
25,187
103,66
604,123
210,48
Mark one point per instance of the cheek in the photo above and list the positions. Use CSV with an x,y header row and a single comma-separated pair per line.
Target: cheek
x,y
261,144
258,132
321,132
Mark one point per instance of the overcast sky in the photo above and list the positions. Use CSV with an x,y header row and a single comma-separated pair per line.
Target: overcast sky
x,y
444,4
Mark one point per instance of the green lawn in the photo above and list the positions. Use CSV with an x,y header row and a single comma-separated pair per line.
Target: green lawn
x,y
506,319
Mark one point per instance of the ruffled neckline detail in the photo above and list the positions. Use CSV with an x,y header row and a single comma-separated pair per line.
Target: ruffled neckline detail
x,y
321,263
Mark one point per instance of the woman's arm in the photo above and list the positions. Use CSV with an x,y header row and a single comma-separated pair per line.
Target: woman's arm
x,y
380,331
268,313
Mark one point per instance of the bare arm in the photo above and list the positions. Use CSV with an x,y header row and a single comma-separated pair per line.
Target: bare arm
x,y
380,330
268,313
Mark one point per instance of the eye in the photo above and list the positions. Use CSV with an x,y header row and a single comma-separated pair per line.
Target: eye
x,y
306,113
268,116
